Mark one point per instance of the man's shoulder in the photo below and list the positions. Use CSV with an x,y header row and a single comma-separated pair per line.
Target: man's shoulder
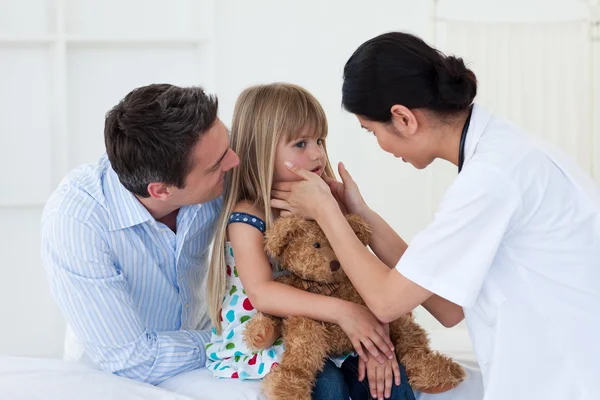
x,y
80,194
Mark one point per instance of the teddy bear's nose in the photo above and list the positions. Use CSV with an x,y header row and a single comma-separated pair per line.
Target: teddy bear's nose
x,y
334,265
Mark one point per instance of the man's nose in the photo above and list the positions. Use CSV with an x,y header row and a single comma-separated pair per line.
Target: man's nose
x,y
233,162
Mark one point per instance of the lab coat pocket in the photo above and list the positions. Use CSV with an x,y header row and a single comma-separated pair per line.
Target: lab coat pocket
x,y
489,302
483,326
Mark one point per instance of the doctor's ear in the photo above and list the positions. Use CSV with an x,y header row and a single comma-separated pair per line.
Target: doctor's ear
x,y
403,120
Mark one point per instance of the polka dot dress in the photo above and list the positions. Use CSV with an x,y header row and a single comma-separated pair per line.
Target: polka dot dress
x,y
227,354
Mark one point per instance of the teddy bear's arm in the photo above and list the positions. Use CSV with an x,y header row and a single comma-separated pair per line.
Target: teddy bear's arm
x,y
262,331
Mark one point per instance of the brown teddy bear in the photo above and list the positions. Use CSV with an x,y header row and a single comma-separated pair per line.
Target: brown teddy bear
x,y
301,247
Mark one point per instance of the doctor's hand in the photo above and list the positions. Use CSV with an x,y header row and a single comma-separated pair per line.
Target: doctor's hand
x,y
303,198
346,192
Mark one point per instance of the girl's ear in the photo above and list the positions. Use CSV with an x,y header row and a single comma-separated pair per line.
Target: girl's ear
x,y
280,235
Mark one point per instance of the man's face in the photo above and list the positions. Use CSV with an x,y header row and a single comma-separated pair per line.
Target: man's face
x,y
211,158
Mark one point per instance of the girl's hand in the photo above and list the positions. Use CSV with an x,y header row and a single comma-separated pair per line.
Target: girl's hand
x,y
365,332
380,376
302,198
346,192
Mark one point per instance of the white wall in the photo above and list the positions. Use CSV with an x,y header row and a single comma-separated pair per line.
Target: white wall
x,y
63,63
308,43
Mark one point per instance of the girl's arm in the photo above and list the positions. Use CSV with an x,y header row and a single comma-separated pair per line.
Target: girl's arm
x,y
281,300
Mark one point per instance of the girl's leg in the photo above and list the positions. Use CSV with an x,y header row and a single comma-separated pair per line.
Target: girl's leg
x,y
360,390
330,384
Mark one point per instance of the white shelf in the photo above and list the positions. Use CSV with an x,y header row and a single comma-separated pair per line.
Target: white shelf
x,y
103,41
65,41
27,40
33,205
133,41
596,103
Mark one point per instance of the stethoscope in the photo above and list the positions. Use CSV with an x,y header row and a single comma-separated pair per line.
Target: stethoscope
x,y
463,137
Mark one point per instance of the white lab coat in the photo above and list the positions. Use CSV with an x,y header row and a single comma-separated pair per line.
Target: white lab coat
x,y
516,243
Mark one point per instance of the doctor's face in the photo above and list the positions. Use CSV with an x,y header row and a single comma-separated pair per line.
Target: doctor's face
x,y
401,141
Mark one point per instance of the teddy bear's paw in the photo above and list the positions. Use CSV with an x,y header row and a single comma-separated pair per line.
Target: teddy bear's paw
x,y
435,373
260,333
284,384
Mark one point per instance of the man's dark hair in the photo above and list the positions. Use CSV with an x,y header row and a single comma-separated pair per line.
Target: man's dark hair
x,y
150,134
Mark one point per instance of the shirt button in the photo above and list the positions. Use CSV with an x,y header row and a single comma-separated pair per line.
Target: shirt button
x,y
187,305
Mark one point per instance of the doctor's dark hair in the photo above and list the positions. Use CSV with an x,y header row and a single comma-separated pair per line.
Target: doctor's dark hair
x,y
400,68
150,134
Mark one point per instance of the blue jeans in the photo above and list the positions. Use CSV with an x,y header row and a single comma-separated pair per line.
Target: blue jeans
x,y
331,384
342,383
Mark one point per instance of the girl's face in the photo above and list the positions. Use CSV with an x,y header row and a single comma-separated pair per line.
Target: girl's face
x,y
307,152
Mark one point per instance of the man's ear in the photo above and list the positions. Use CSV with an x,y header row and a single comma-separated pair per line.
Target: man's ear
x,y
159,191
281,234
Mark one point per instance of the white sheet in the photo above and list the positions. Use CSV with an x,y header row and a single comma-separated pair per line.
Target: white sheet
x,y
48,379
201,385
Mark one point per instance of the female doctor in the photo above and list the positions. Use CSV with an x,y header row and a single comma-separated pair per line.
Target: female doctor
x,y
514,247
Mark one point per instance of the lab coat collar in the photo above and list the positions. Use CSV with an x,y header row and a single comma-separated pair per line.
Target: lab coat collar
x,y
480,117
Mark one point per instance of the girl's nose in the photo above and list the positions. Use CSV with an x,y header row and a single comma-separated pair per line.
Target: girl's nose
x,y
317,153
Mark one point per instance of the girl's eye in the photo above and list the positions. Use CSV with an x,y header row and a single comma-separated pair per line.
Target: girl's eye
x,y
320,142
301,144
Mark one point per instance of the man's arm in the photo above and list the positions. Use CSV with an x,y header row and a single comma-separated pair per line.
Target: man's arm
x,y
94,296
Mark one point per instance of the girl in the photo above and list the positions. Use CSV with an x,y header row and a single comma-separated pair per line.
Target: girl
x,y
272,124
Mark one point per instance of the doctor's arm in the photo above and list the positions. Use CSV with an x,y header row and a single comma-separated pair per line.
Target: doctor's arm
x,y
94,297
450,258
386,243
377,284
389,248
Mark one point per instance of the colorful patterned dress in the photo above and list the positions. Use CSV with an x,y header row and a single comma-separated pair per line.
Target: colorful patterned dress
x,y
227,354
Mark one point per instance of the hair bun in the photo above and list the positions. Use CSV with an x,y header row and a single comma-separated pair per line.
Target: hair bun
x,y
456,84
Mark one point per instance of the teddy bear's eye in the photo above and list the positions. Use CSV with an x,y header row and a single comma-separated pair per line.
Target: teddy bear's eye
x,y
317,245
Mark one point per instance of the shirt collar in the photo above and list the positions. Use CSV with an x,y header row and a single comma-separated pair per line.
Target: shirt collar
x,y
480,118
124,208
127,211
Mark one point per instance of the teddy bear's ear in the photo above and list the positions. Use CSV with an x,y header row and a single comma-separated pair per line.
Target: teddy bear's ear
x,y
360,227
279,236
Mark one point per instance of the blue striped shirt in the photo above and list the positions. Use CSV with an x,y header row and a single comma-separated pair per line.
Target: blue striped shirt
x,y
132,290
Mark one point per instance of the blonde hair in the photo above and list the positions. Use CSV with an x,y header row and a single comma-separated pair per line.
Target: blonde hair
x,y
262,116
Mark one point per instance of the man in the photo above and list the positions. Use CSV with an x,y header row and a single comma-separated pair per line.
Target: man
x,y
125,242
